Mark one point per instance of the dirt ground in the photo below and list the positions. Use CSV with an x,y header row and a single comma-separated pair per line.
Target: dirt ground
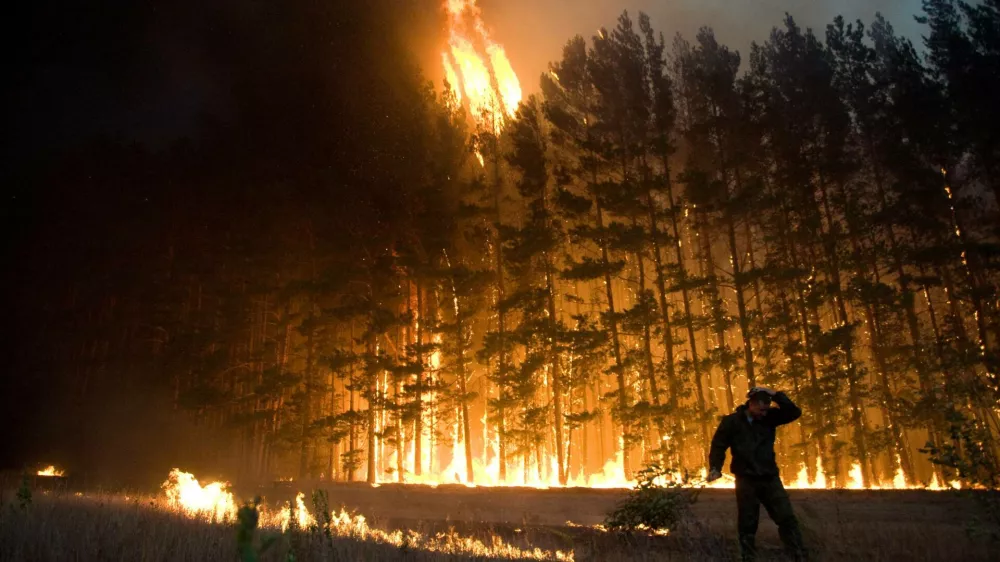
x,y
839,525
587,506
842,524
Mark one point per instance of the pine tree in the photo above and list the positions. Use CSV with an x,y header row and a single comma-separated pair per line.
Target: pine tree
x,y
716,172
534,247
807,126
579,130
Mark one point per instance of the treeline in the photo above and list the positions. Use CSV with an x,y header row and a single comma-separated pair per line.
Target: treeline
x,y
604,273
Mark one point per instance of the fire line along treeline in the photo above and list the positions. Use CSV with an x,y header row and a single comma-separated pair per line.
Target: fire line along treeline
x,y
565,293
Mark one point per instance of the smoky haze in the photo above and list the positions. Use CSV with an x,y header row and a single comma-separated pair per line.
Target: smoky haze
x,y
534,31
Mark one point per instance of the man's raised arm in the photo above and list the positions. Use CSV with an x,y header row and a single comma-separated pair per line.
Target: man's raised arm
x,y
787,411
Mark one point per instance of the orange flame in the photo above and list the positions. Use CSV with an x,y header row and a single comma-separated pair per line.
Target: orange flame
x,y
303,518
477,69
212,501
51,470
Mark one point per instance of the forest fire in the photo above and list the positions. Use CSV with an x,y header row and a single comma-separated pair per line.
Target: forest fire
x,y
477,69
51,470
351,264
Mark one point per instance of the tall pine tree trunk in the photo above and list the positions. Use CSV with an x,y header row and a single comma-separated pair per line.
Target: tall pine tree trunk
x,y
853,381
418,420
971,269
556,371
353,429
619,366
502,360
372,376
688,316
397,392
790,255
716,308
673,387
307,403
463,377
758,300
649,365
734,256
876,331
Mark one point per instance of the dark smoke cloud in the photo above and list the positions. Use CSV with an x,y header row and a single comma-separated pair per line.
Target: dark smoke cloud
x,y
534,31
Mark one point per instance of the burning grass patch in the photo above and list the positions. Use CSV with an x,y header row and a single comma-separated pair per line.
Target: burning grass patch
x,y
67,527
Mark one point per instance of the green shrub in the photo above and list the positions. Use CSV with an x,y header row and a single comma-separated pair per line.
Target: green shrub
x,y
657,503
24,493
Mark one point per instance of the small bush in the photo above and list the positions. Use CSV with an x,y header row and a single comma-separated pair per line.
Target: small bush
x,y
657,503
24,493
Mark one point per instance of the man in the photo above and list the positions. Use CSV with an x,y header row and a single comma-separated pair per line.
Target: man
x,y
749,432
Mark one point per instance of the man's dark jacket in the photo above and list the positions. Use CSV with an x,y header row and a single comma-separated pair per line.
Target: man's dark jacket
x,y
752,443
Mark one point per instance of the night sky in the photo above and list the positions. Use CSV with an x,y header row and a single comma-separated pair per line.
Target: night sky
x,y
534,31
149,71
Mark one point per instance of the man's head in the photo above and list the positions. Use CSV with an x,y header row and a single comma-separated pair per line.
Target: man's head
x,y
758,403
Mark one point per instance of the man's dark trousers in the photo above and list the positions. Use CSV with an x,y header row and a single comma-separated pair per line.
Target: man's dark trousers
x,y
751,493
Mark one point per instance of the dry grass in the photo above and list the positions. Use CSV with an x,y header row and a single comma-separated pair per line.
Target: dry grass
x,y
65,527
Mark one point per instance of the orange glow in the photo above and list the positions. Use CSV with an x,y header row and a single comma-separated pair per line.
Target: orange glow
x,y
51,470
477,69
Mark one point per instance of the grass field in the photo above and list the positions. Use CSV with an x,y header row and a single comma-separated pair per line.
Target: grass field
x,y
457,523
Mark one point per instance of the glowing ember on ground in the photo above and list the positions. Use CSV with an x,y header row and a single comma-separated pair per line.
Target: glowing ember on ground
x,y
477,69
51,470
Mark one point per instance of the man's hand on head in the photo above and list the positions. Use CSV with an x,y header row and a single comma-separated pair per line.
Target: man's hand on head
x,y
756,389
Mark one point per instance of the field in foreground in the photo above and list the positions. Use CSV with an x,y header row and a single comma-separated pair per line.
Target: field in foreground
x,y
457,523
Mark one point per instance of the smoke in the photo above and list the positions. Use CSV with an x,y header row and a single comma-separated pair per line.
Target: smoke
x,y
534,31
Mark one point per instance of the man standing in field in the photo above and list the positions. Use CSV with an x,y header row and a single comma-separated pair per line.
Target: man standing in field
x,y
750,432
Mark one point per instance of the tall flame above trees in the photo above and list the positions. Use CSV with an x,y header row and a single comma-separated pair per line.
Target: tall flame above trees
x,y
477,69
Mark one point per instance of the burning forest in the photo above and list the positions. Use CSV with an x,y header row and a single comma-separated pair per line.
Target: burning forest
x,y
356,265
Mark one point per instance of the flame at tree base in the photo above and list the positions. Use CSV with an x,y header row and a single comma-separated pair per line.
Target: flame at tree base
x,y
486,473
